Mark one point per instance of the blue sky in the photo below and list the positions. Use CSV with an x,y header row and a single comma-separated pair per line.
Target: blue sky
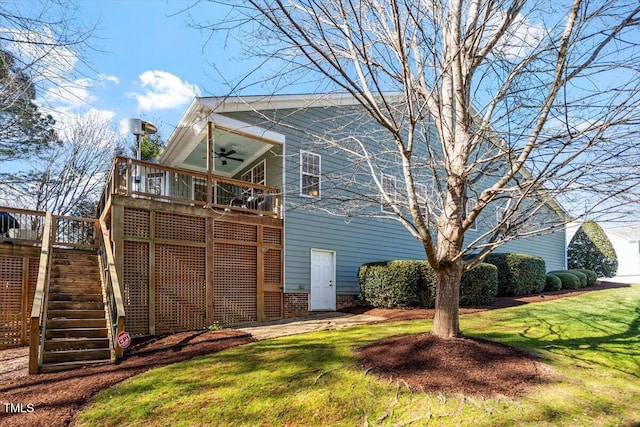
x,y
146,62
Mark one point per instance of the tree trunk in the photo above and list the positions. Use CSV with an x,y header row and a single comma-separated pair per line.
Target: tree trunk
x,y
445,322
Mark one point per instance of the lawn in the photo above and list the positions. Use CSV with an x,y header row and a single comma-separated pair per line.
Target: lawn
x,y
590,342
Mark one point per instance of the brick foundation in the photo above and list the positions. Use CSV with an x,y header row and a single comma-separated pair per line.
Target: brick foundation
x,y
298,304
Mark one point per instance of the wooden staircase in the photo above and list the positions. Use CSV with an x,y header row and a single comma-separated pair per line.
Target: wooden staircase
x,y
75,327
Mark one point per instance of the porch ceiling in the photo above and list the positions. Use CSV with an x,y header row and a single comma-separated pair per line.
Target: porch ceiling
x,y
245,148
187,146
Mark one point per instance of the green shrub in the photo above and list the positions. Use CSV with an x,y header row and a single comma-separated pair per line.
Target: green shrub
x,y
479,286
400,283
592,278
553,283
569,280
518,274
581,276
406,283
591,249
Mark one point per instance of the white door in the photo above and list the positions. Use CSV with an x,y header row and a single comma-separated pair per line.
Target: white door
x,y
323,280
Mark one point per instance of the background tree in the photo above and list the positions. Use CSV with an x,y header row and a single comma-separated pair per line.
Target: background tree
x,y
515,103
590,248
40,48
23,128
67,179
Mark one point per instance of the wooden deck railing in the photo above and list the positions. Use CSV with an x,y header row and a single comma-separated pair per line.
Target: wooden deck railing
x,y
74,232
140,179
21,225
37,312
111,289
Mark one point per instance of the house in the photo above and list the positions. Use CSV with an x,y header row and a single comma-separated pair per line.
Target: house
x,y
626,242
244,217
259,140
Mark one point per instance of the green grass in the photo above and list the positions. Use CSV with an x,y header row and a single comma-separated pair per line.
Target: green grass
x,y
590,342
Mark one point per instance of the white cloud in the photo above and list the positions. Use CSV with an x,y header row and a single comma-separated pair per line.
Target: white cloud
x,y
519,39
108,78
71,93
163,91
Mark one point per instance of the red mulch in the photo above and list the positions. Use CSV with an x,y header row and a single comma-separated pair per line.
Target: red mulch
x,y
56,397
460,365
457,366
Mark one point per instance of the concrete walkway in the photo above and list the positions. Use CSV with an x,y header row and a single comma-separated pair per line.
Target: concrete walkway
x,y
301,325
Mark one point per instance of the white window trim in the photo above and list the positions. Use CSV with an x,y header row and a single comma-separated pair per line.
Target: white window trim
x,y
500,214
469,206
421,198
302,173
393,197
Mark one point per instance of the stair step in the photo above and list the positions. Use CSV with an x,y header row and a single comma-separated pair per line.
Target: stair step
x,y
67,366
75,275
75,355
66,263
74,289
84,297
76,333
76,343
75,314
75,305
77,280
75,323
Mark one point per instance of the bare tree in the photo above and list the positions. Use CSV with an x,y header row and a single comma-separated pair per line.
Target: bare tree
x,y
67,179
501,107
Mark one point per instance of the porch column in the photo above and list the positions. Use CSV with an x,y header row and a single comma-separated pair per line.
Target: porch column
x,y
210,148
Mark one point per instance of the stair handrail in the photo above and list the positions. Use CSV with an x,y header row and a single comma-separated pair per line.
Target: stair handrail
x,y
111,285
42,285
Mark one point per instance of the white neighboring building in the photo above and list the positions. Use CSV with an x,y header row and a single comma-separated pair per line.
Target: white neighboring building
x,y
626,242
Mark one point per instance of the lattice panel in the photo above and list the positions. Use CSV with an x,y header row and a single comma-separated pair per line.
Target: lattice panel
x,y
272,236
233,231
180,288
235,283
272,266
180,227
136,223
273,305
10,301
136,287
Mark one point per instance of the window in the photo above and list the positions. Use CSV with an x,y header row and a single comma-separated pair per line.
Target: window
x,y
199,189
471,203
155,182
309,174
421,195
388,188
500,214
256,175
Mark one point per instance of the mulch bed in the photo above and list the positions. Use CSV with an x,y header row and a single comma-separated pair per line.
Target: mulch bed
x,y
467,366
56,397
462,365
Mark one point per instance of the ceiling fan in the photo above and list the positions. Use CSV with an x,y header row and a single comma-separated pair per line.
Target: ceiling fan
x,y
225,155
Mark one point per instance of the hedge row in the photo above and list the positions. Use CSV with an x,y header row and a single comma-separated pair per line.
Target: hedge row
x,y
406,283
518,274
575,278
